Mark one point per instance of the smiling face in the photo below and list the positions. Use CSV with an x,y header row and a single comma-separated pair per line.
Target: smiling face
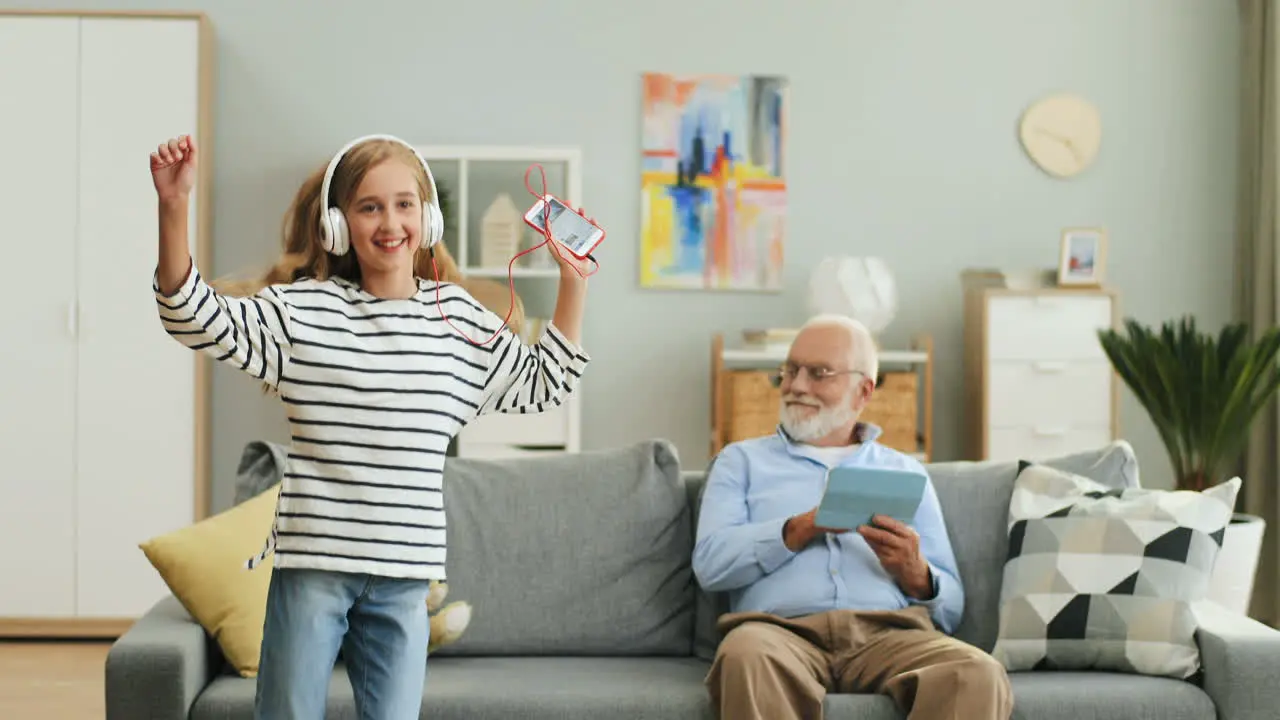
x,y
822,393
385,220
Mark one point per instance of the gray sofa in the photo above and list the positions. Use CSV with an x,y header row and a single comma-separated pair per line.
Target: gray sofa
x,y
585,606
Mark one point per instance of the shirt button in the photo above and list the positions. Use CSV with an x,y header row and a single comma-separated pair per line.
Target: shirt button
x,y
834,571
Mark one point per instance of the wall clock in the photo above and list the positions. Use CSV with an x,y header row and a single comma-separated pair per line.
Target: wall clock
x,y
1061,134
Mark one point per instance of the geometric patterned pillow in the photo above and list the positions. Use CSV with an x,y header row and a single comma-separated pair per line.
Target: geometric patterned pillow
x,y
1105,579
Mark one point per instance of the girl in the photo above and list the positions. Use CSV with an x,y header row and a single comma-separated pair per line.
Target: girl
x,y
376,381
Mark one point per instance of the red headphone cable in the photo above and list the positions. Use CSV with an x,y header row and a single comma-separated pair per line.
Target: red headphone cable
x,y
511,286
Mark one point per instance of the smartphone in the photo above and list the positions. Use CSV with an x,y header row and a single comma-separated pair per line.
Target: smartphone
x,y
577,234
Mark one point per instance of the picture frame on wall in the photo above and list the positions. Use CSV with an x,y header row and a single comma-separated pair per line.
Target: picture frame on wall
x,y
1082,257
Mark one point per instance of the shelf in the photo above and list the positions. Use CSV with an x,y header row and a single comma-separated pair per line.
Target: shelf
x,y
515,272
477,178
778,354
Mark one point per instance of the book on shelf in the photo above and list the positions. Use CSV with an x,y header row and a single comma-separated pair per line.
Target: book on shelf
x,y
770,337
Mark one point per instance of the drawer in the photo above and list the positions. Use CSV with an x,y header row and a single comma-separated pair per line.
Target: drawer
x,y
546,428
1044,441
1046,327
1064,392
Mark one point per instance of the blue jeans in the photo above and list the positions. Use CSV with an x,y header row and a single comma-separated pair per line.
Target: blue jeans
x,y
379,623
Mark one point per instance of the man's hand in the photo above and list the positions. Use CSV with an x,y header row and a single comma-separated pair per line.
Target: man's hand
x,y
800,530
898,548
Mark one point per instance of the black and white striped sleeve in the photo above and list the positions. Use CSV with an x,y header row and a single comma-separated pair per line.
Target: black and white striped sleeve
x,y
250,333
532,378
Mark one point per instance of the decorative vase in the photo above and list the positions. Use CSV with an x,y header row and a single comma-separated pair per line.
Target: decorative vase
x,y
500,231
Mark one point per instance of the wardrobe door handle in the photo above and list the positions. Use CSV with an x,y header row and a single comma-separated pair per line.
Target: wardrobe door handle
x,y
1048,367
73,319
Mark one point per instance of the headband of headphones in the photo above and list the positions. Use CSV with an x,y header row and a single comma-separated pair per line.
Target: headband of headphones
x,y
337,158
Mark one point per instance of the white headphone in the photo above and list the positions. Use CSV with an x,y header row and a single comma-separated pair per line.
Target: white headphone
x,y
335,236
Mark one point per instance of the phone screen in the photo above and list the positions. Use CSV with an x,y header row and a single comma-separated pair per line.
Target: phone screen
x,y
567,227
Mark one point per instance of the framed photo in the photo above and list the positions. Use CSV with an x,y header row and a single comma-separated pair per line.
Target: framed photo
x,y
1083,257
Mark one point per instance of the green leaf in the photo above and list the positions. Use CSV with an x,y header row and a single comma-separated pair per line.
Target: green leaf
x,y
445,194
1202,391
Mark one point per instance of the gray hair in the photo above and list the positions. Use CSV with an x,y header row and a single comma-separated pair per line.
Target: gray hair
x,y
864,356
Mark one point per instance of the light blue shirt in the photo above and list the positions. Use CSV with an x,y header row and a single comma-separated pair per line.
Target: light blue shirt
x,y
753,486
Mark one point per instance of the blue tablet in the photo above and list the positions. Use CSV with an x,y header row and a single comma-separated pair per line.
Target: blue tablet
x,y
855,494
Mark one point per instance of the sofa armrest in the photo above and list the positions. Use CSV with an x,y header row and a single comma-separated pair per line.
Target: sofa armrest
x,y
1241,660
160,665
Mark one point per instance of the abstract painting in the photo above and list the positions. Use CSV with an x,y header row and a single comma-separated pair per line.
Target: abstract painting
x,y
713,188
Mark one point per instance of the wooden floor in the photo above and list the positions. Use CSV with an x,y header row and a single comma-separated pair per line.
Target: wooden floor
x,y
52,680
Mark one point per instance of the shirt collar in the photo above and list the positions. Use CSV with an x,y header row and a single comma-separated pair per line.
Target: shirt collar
x,y
863,432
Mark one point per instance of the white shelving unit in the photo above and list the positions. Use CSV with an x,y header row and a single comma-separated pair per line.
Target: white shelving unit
x,y
458,167
473,176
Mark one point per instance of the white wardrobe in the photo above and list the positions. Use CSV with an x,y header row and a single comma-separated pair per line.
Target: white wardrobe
x,y
103,432
1037,382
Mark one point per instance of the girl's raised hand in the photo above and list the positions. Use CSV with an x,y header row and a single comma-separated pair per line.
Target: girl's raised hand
x,y
173,168
567,262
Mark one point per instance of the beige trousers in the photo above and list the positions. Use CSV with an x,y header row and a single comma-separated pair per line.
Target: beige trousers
x,y
774,668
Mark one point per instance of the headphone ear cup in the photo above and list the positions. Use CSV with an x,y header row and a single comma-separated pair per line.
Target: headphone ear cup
x,y
326,232
432,224
338,239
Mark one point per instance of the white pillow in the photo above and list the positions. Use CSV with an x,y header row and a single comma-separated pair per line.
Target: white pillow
x,y
1106,579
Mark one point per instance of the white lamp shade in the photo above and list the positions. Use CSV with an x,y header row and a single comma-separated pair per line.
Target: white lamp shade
x,y
859,287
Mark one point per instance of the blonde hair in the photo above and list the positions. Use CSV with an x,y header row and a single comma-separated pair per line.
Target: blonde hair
x,y
303,254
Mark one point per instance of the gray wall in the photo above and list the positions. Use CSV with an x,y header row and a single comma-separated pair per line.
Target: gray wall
x,y
902,144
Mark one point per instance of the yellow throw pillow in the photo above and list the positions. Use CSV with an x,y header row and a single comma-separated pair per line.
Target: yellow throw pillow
x,y
203,565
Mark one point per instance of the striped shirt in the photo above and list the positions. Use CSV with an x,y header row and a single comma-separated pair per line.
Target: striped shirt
x,y
374,389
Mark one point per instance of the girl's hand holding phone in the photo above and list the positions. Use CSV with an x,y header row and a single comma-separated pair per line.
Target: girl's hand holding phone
x,y
570,266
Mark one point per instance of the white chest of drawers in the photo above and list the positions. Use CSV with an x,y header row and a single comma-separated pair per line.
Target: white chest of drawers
x,y
1037,383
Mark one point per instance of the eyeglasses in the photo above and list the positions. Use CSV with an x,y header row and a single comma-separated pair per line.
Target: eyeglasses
x,y
817,373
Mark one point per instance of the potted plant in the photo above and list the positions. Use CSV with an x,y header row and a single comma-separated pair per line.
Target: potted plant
x,y
445,196
1203,393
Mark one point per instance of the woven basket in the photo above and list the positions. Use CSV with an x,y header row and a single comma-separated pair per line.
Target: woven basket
x,y
752,403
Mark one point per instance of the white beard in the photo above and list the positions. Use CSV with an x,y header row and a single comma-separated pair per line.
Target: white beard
x,y
817,426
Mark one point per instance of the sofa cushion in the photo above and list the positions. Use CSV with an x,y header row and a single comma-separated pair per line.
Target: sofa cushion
x,y
501,688
261,466
709,606
555,688
1107,579
586,553
1067,696
1106,696
203,566
975,503
636,688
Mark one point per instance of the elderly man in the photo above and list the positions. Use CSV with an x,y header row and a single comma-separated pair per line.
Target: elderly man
x,y
817,610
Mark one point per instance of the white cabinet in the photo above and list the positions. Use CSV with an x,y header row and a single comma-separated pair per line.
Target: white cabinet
x,y
101,422
479,180
1037,383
